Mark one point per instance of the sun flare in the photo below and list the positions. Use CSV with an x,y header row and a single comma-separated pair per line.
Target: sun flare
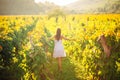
x,y
58,2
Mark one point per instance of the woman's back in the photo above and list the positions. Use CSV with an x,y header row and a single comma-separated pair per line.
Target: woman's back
x,y
59,49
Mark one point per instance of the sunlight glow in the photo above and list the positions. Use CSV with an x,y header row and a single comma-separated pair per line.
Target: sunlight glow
x,y
57,2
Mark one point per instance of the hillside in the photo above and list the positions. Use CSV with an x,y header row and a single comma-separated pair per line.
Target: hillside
x,y
29,7
45,8
94,6
18,7
24,7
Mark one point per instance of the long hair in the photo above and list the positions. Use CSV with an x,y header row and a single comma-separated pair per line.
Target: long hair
x,y
58,34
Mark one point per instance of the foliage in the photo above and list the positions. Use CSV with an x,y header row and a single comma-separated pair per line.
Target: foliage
x,y
13,60
26,52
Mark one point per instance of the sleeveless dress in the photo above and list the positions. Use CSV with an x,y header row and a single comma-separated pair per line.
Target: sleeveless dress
x,y
59,49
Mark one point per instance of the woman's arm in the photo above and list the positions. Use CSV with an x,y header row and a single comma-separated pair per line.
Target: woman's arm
x,y
65,38
51,37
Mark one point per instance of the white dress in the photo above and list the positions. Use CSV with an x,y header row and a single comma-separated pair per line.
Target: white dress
x,y
59,49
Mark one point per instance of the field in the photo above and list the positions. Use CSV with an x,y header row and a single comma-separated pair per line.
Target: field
x,y
26,51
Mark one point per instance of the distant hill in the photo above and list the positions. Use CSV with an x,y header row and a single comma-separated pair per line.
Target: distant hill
x,y
29,7
18,7
94,6
45,8
24,7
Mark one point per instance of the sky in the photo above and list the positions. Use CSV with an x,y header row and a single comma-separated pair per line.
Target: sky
x,y
58,2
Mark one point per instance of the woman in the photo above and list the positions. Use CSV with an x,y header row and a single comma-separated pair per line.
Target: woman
x,y
58,47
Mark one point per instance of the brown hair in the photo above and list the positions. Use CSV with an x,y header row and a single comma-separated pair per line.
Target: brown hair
x,y
58,34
